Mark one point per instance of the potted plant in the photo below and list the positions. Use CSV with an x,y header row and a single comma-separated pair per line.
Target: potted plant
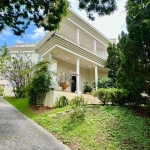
x,y
64,79
87,88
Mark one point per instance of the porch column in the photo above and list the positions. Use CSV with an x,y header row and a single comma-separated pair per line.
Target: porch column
x,y
77,77
50,59
78,36
96,77
94,45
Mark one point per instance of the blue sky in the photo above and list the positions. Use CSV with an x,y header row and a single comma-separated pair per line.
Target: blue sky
x,y
111,26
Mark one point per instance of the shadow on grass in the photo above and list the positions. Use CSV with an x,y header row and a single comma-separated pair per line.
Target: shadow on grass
x,y
130,132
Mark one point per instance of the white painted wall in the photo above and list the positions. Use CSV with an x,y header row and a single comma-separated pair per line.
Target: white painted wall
x,y
85,74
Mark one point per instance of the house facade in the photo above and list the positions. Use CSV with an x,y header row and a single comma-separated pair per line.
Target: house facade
x,y
77,47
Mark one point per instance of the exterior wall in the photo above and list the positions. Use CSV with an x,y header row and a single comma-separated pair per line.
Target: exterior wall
x,y
8,89
84,73
52,96
100,74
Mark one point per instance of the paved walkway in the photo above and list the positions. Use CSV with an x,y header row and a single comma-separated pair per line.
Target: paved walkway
x,y
17,132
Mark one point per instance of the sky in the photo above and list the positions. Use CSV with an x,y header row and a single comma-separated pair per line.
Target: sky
x,y
110,26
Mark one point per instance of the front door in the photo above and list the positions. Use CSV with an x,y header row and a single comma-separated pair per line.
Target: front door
x,y
73,84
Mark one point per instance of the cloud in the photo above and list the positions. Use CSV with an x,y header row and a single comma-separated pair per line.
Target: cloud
x,y
18,41
38,33
111,26
2,38
7,32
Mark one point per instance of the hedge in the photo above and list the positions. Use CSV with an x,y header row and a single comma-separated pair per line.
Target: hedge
x,y
113,95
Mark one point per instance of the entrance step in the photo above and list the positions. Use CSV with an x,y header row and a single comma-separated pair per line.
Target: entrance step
x,y
90,99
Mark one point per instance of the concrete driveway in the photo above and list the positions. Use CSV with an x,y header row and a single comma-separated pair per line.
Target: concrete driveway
x,y
17,132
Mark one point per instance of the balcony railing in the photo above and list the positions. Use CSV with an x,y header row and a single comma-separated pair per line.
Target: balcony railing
x,y
83,45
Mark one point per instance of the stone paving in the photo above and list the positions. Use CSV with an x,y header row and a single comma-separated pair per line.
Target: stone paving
x,y
90,99
17,132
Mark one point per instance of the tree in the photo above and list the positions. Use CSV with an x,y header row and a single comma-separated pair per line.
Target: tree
x,y
40,83
130,74
134,71
18,14
138,25
101,7
18,71
113,61
4,56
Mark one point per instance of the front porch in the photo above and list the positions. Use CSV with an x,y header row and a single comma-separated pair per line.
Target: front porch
x,y
53,96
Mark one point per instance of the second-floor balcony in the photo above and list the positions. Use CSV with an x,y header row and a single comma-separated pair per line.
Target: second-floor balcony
x,y
76,39
88,47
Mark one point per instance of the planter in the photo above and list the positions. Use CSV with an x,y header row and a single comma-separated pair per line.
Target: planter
x,y
64,86
88,93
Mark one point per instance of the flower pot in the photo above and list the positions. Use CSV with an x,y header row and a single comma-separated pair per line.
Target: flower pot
x,y
64,86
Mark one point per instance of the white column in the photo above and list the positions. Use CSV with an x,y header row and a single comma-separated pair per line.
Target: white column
x,y
96,77
94,45
78,36
77,77
50,59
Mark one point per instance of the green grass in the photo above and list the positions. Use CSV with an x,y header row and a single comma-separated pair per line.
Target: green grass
x,y
22,104
104,127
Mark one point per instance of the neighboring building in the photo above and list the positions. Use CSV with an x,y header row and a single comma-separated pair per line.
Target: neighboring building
x,y
77,47
21,49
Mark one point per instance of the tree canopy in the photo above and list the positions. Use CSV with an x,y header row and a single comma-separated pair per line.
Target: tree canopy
x,y
18,14
133,72
113,61
101,7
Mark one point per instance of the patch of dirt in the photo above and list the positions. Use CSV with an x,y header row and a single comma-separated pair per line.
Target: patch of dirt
x,y
140,111
40,109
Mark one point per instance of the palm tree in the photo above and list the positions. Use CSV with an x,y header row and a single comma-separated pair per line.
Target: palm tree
x,y
4,53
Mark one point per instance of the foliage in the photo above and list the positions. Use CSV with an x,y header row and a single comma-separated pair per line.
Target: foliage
x,y
40,83
64,77
87,88
18,73
1,90
79,106
61,102
113,95
101,7
104,83
18,14
113,61
104,127
138,25
129,60
22,104
4,57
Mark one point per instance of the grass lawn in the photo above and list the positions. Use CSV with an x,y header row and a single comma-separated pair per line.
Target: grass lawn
x,y
104,127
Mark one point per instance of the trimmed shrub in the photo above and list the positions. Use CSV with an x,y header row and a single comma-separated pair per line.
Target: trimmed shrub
x,y
62,101
113,95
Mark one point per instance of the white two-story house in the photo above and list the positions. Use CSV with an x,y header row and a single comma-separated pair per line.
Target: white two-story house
x,y
76,47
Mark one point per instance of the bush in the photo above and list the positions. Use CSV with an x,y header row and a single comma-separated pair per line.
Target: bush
x,y
39,84
79,106
62,101
87,88
113,95
104,83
